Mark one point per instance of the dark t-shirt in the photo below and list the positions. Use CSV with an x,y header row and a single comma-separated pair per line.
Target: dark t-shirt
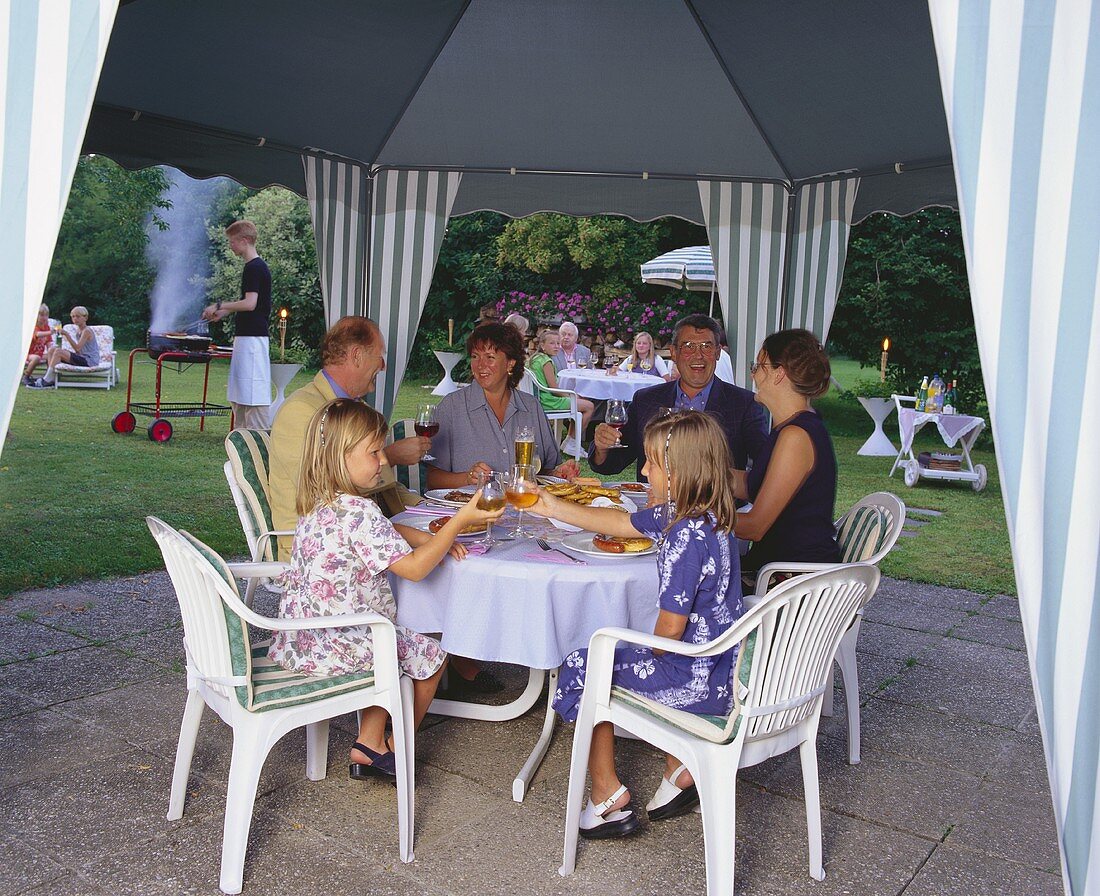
x,y
256,277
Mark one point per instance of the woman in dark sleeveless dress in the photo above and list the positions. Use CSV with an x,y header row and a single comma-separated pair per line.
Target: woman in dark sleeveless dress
x,y
792,484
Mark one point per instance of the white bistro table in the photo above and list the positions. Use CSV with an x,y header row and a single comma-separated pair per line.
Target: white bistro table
x,y
599,385
515,605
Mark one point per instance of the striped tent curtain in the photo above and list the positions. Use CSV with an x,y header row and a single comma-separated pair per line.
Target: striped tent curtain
x,y
823,217
1021,88
745,226
339,203
411,209
51,53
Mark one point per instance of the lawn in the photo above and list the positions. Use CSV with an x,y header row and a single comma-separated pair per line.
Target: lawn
x,y
74,495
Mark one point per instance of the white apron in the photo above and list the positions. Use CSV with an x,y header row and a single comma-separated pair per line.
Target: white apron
x,y
250,371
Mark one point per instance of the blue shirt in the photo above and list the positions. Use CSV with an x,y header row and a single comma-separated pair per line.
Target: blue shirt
x,y
698,403
337,391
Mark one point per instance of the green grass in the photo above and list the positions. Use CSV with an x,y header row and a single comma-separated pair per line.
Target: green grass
x,y
74,495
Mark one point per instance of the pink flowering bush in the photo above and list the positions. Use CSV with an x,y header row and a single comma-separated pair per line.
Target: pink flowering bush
x,y
626,314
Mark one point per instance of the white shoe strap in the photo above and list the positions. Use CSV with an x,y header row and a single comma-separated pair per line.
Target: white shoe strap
x,y
600,809
675,776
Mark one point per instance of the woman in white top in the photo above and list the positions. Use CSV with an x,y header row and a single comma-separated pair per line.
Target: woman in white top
x,y
643,358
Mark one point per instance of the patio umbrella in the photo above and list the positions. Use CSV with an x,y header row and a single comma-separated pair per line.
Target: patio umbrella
x,y
688,268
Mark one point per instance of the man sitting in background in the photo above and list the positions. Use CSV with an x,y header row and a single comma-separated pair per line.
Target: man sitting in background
x,y
572,354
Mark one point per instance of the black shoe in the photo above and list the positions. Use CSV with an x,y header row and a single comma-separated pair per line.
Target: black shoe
x,y
382,765
38,384
482,683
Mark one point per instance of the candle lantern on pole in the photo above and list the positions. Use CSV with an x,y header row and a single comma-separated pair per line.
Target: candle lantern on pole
x,y
885,354
283,314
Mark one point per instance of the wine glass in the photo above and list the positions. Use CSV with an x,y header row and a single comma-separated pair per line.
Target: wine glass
x,y
591,362
425,424
616,417
609,363
521,491
492,498
647,364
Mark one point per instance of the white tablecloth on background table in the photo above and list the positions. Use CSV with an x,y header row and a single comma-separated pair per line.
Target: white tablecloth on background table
x,y
506,607
597,384
952,427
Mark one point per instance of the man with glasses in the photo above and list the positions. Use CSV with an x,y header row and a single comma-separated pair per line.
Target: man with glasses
x,y
695,347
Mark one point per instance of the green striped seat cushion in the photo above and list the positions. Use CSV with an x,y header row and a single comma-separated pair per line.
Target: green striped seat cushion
x,y
708,727
862,534
270,685
248,451
411,476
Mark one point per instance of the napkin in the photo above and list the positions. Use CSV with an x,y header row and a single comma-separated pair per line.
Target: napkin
x,y
551,557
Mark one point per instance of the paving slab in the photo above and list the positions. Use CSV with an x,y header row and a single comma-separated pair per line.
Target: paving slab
x,y
44,746
1027,835
918,615
891,641
24,868
974,657
954,871
21,639
128,711
991,630
1004,605
16,704
936,595
101,611
74,674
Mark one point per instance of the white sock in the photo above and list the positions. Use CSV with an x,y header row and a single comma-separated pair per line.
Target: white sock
x,y
49,377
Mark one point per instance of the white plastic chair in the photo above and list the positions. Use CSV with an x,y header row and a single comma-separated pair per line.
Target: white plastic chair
x,y
787,644
260,700
866,533
532,386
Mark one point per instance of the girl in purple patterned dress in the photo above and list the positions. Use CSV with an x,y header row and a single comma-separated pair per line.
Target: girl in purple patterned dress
x,y
343,547
691,517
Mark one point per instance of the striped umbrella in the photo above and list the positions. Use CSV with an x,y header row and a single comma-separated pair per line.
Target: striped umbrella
x,y
689,268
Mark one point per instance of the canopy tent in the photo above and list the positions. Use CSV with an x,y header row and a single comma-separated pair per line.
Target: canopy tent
x,y
801,117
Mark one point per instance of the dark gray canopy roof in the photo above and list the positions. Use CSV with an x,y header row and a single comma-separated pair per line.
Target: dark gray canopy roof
x,y
786,90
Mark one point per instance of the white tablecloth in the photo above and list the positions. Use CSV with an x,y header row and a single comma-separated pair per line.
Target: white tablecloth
x,y
952,427
505,607
597,384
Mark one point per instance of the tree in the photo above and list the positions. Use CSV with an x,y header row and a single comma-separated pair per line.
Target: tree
x,y
905,278
286,243
99,260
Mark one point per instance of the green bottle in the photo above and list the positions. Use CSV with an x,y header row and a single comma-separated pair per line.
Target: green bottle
x,y
922,395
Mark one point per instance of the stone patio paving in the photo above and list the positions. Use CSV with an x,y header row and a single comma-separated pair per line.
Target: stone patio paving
x,y
951,796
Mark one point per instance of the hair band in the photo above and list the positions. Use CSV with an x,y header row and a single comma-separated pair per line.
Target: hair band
x,y
324,417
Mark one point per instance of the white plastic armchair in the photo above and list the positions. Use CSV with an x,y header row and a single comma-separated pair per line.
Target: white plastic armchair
x,y
531,384
786,646
260,700
866,533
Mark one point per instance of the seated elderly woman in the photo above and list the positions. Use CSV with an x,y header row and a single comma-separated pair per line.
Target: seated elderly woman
x,y
478,425
542,369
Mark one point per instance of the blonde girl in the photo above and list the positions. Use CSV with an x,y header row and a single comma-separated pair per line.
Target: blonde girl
x,y
41,342
83,351
644,350
691,517
343,548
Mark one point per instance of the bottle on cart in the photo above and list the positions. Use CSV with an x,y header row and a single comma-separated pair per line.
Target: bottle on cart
x,y
922,395
950,399
933,402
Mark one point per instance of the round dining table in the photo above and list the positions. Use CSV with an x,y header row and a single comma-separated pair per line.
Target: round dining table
x,y
598,384
522,605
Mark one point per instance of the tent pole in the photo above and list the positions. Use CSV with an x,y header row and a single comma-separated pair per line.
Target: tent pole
x,y
370,243
710,312
788,261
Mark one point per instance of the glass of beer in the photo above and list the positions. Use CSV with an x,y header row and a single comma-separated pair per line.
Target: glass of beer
x,y
492,498
521,491
525,448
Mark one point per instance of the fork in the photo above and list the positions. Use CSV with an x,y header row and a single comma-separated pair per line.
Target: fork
x,y
542,543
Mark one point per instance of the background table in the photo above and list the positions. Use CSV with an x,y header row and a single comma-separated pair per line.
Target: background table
x,y
597,384
510,608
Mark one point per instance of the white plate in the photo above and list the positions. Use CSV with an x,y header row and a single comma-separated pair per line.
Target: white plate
x,y
581,542
642,492
601,501
422,524
438,496
550,480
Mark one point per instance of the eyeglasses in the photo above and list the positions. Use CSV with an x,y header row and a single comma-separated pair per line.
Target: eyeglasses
x,y
760,365
703,348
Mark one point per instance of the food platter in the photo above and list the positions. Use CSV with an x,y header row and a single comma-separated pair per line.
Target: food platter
x,y
581,542
422,524
632,489
439,496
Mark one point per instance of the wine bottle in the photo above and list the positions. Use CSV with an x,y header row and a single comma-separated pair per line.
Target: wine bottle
x,y
922,395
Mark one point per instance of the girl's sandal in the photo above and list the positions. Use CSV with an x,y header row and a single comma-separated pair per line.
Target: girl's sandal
x,y
670,800
598,822
382,765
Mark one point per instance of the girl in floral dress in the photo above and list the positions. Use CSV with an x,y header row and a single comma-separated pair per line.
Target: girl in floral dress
x,y
691,517
343,547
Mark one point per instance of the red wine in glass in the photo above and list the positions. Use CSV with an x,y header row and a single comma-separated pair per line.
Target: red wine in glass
x,y
426,429
425,424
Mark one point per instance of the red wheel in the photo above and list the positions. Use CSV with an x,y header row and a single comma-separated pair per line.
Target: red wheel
x,y
124,421
160,431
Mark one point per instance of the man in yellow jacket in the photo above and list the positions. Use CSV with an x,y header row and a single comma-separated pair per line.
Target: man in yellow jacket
x,y
353,353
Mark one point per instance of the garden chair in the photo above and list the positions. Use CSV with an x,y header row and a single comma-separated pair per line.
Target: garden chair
x,y
532,386
865,533
787,642
246,471
260,700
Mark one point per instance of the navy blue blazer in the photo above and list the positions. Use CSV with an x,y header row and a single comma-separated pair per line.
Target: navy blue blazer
x,y
735,409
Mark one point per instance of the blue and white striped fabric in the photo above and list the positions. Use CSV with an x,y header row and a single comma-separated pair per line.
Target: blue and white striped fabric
x,y
1021,87
411,209
51,53
745,225
339,203
690,268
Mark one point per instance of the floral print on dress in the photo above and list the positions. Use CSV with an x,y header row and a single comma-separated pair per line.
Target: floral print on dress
x,y
699,576
338,566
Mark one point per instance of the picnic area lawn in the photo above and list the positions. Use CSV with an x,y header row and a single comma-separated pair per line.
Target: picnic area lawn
x,y
74,494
